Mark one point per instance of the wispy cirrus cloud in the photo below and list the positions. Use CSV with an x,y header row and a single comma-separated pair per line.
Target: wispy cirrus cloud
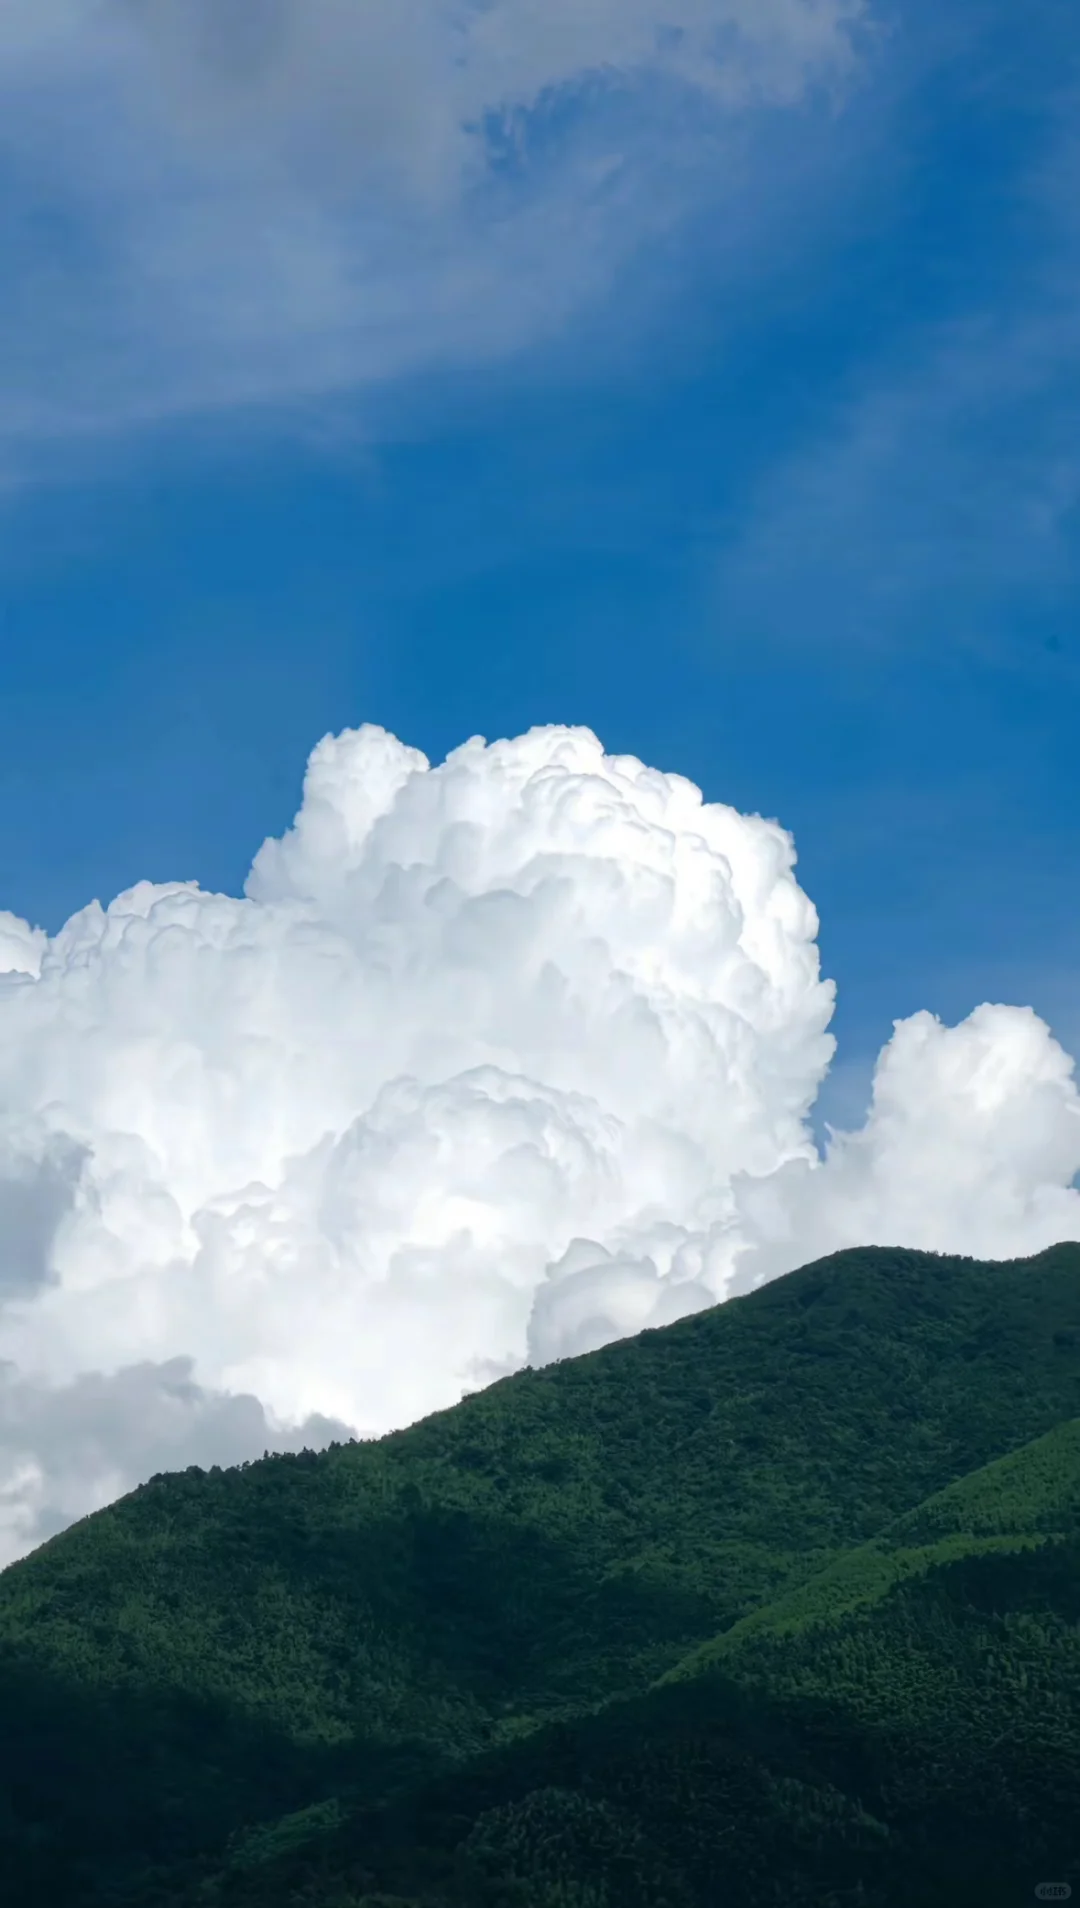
x,y
216,204
941,490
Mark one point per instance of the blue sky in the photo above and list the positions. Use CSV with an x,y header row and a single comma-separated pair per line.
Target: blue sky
x,y
756,452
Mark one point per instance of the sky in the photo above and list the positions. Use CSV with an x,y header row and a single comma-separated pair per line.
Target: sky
x,y
691,395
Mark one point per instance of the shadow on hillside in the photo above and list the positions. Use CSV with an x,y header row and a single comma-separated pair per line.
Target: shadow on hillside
x,y
748,1795
514,1616
100,1783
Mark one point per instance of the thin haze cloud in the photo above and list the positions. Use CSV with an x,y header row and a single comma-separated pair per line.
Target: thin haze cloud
x,y
947,465
218,203
494,1062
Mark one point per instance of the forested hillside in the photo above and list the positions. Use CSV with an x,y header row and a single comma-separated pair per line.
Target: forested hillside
x,y
779,1603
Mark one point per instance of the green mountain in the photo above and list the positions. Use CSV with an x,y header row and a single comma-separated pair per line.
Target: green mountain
x,y
777,1604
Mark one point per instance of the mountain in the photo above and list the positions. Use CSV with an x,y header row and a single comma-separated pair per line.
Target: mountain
x,y
778,1603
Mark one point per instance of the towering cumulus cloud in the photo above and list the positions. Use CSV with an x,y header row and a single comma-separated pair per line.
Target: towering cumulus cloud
x,y
493,1063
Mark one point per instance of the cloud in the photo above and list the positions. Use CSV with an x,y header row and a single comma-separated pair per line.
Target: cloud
x,y
938,498
21,946
954,481
228,202
970,1146
66,1450
493,1062
38,1177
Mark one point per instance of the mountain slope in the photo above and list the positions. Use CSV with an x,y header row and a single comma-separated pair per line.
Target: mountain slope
x,y
223,1649
908,1739
1015,1503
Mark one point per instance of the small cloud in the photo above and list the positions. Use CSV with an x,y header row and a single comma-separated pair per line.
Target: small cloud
x,y
68,1449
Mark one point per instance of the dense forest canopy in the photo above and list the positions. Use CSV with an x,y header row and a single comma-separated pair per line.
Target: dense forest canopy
x,y
780,1603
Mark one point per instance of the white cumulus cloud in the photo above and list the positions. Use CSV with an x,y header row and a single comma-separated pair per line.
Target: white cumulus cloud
x,y
21,946
494,1062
